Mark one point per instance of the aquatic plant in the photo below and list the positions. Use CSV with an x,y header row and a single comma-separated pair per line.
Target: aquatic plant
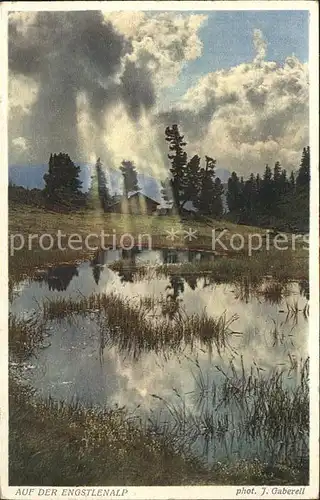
x,y
246,407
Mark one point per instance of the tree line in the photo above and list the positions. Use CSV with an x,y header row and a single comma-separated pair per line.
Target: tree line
x,y
63,187
275,198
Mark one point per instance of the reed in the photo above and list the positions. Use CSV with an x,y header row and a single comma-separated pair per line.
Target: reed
x,y
25,335
246,409
281,266
112,446
137,325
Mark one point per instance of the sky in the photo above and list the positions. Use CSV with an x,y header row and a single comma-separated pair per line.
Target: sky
x,y
107,84
284,39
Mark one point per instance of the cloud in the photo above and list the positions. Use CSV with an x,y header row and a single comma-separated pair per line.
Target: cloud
x,y
90,84
248,115
161,44
63,53
88,65
259,45
20,143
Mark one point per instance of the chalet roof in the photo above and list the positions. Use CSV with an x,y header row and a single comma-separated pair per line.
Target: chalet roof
x,y
187,207
132,194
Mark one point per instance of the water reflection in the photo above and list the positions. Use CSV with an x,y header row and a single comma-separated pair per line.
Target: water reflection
x,y
97,264
59,278
117,366
304,288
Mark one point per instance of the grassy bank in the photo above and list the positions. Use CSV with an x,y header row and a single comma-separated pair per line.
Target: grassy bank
x,y
60,444
282,266
51,443
26,220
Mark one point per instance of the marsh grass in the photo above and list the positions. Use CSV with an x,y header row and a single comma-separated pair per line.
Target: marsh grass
x,y
282,266
140,325
100,446
293,310
247,407
25,335
273,292
55,443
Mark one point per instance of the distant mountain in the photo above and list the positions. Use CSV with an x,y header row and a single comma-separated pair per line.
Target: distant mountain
x,y
31,176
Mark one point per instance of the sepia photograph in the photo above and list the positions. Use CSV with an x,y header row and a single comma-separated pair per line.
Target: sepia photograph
x,y
160,307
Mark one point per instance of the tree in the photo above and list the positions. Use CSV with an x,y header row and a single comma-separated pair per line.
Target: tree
x,y
277,186
130,177
178,160
302,194
284,183
99,195
277,172
303,177
192,182
207,187
234,193
103,191
166,190
217,205
292,182
62,183
250,199
266,191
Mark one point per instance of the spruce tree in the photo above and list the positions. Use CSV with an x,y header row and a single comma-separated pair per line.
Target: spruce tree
x,y
207,187
166,190
292,182
234,193
130,177
62,183
192,182
303,177
266,192
178,159
217,205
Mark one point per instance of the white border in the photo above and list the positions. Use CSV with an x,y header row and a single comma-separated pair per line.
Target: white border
x,y
192,492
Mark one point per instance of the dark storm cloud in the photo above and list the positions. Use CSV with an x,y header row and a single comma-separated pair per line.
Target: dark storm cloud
x,y
137,89
67,53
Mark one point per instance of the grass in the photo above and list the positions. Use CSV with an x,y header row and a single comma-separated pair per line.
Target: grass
x,y
90,446
53,443
26,220
136,326
113,447
246,408
23,218
282,266
25,335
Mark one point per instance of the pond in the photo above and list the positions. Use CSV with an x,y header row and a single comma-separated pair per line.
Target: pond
x,y
193,387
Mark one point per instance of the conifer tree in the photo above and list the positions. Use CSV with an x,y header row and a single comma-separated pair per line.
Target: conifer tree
x,y
178,159
130,177
62,183
303,177
234,193
192,182
207,187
